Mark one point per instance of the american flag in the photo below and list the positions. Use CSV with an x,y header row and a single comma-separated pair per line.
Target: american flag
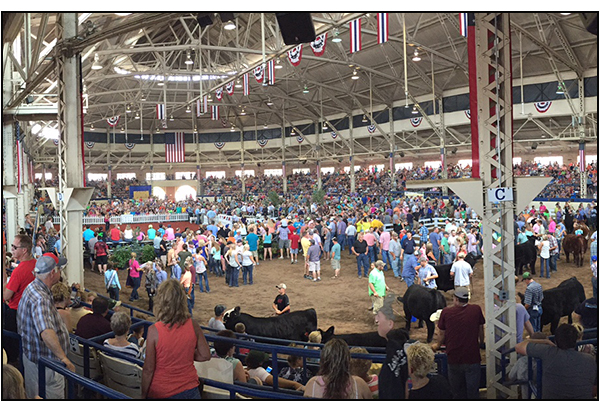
x,y
466,20
382,27
175,147
355,37
214,113
582,157
246,84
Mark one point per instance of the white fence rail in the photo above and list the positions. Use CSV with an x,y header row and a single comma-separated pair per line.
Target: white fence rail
x,y
132,219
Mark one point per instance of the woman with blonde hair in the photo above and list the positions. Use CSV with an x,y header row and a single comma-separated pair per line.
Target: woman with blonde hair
x,y
62,299
13,385
136,277
424,386
360,367
334,380
173,343
248,264
128,234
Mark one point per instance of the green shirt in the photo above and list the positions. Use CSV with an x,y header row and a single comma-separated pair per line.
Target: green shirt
x,y
445,245
377,278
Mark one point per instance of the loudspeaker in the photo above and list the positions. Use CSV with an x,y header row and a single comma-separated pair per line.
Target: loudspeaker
x,y
296,28
590,21
225,17
204,19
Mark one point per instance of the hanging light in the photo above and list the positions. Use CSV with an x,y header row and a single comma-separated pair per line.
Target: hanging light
x,y
269,102
128,108
137,115
96,65
238,84
161,82
559,89
265,126
188,59
171,119
325,127
195,129
143,97
243,112
414,110
365,120
232,128
122,129
293,131
229,25
336,36
92,127
416,56
209,99
305,89
157,130
188,109
354,75
565,14
278,64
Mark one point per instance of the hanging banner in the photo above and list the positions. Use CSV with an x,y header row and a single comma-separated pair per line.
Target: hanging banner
x,y
299,138
258,73
355,36
371,128
129,145
318,45
229,88
113,120
271,72
382,27
468,113
416,121
214,113
89,145
542,107
295,55
219,145
246,84
219,94
262,142
334,135
161,112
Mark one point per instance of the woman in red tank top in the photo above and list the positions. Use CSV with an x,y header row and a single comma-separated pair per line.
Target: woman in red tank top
x,y
174,342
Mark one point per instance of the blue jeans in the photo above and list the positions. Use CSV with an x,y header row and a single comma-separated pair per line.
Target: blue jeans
x,y
233,278
535,317
553,258
203,275
386,257
446,258
362,260
397,266
113,292
436,254
409,281
247,274
350,243
191,300
544,263
341,240
134,290
372,256
191,394
464,381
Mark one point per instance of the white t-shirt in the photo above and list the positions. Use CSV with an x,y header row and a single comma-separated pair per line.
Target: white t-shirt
x,y
545,250
260,373
461,270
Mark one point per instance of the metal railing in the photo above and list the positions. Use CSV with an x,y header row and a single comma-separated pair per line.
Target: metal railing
x,y
132,219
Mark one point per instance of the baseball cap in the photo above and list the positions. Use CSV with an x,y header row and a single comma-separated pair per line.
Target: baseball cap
x,y
461,292
379,263
219,309
594,258
526,275
48,262
281,286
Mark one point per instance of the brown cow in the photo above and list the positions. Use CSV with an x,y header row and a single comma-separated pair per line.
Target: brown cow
x,y
576,245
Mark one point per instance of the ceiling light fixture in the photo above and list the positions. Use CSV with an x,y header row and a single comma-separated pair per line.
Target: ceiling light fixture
x,y
566,14
415,110
559,89
293,132
232,128
92,127
365,120
336,36
188,59
128,108
265,126
229,25
157,130
243,112
122,14
209,99
122,129
96,65
269,102
305,89
188,109
143,97
195,129
160,83
416,56
137,115
354,75
278,64
171,119
325,127
238,84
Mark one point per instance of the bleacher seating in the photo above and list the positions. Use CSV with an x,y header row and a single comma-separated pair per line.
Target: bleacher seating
x,y
121,375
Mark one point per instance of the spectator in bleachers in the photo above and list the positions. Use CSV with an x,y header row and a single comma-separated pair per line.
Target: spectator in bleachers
x,y
226,350
173,343
13,385
295,370
254,362
95,323
120,322
425,384
61,294
216,322
361,367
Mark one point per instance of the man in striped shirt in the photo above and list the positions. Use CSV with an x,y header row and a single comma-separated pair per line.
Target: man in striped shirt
x,y
533,301
43,332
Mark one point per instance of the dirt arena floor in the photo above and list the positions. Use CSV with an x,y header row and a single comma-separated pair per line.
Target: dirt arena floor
x,y
342,302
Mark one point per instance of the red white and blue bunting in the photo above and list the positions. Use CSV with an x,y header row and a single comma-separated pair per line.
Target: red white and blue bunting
x,y
214,113
468,113
318,45
271,72
224,123
334,134
371,128
161,112
295,55
219,145
202,106
246,84
258,73
382,27
129,145
416,121
262,142
219,94
542,106
230,87
299,138
89,144
355,36
55,141
113,120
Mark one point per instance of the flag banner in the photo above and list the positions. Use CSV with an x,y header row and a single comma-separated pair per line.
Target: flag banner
x,y
262,141
355,36
19,166
468,113
219,145
295,55
89,144
113,120
163,123
174,147
581,157
334,134
258,73
202,106
129,145
318,45
372,128
214,113
246,84
271,72
224,123
383,23
161,112
542,106
230,87
219,94
299,138
283,168
198,172
55,141
416,121
465,20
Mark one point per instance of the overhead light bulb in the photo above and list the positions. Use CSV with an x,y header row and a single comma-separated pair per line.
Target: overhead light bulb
x,y
122,129
137,115
269,102
305,89
325,127
365,120
278,64
157,130
171,119
160,82
229,25
355,75
122,14
143,97
336,36
243,112
92,127
238,84
96,65
188,109
566,14
293,132
560,90
416,56
232,128
188,59
414,110
195,129
128,108
265,126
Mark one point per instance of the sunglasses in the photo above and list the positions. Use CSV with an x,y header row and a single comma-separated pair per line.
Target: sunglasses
x,y
16,247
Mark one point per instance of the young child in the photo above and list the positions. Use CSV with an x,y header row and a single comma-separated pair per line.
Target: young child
x,y
361,367
240,328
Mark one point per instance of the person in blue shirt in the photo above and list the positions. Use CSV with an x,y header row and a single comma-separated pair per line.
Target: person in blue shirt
x,y
435,239
252,240
88,234
151,232
161,275
176,271
409,269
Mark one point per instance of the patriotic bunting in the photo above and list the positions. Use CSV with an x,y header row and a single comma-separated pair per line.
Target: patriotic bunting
x,y
55,141
113,120
295,55
355,36
129,145
271,72
224,123
416,121
246,84
382,27
258,74
219,94
219,145
465,20
542,106
318,45
468,113
89,144
161,112
214,113
262,141
299,138
372,128
230,87
334,134
175,147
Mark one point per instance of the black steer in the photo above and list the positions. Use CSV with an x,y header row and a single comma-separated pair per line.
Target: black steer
x,y
444,281
561,301
422,302
367,339
294,326
526,255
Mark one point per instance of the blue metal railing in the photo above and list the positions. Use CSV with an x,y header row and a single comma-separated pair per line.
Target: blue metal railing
x,y
16,337
252,392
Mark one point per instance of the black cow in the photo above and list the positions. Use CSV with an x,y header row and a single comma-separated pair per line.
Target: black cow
x,y
367,339
422,302
444,281
526,255
294,326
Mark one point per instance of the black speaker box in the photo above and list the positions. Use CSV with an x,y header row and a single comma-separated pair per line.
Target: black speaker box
x,y
296,28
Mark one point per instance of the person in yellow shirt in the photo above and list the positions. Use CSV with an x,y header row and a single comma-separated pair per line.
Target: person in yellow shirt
x,y
376,224
305,243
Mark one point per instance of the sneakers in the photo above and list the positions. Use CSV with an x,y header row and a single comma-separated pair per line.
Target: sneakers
x,y
401,279
281,258
318,279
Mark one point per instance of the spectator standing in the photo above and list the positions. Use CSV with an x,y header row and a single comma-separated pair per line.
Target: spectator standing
x,y
101,253
435,239
111,282
544,249
461,271
395,253
384,240
248,264
43,332
134,272
336,256
95,323
360,249
445,249
314,261
427,274
409,267
174,342
533,301
294,246
281,304
461,330
188,285
252,240
377,286
350,236
284,242
425,385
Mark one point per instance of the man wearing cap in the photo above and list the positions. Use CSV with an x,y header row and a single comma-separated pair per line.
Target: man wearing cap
x,y
43,332
314,261
336,257
461,329
427,274
216,322
533,301
281,304
21,277
377,286
461,271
